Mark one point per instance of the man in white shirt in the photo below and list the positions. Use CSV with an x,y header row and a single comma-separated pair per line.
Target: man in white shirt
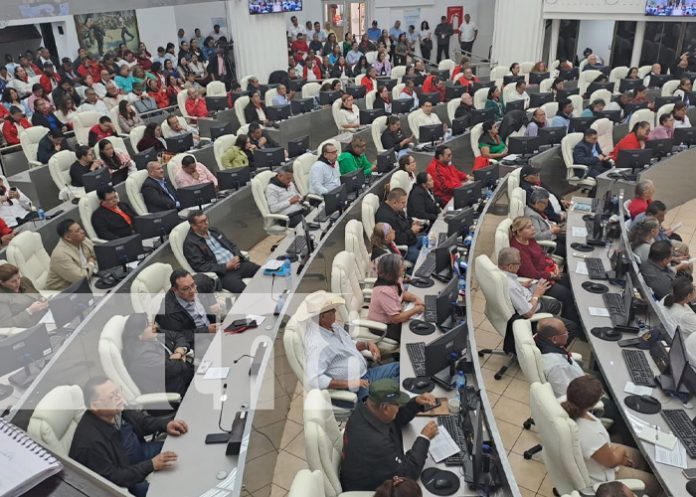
x,y
353,56
179,129
283,97
218,33
283,198
559,366
656,70
520,93
468,32
295,29
428,117
14,205
92,103
324,174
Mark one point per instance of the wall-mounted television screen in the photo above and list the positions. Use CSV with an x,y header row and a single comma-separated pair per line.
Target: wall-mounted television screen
x,y
670,8
274,6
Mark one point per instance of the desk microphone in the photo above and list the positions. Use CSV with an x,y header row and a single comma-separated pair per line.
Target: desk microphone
x,y
224,436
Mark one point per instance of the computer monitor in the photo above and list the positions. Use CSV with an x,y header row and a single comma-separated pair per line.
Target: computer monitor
x,y
386,161
459,223
536,78
445,300
512,79
118,252
634,158
569,74
597,231
296,85
600,85
219,130
433,98
439,353
657,80
279,112
96,179
580,124
335,200
215,104
460,124
302,106
524,145
685,136
233,179
356,92
430,133
552,135
268,157
402,105
388,82
629,84
328,97
298,146
514,105
488,176
369,115
539,99
179,144
612,115
196,195
417,79
565,93
627,302
156,224
452,92
21,350
481,115
71,303
660,148
467,195
678,358
353,181
631,108
142,159
660,101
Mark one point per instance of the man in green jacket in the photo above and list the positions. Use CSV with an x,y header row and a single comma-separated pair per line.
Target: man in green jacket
x,y
354,158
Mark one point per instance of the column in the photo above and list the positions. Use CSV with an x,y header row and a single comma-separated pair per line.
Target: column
x,y
553,43
260,43
518,33
638,43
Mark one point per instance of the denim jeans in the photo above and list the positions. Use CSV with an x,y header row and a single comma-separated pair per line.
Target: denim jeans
x,y
390,370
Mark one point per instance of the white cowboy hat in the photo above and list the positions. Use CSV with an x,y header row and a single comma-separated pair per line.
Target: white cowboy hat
x,y
316,303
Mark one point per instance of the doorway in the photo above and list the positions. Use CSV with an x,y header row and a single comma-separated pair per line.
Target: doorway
x,y
347,16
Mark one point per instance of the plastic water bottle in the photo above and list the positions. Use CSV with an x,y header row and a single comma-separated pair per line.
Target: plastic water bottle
x,y
425,245
461,381
42,214
287,271
462,286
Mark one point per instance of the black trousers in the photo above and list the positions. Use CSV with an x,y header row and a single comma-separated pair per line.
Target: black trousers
x,y
554,307
232,280
295,218
426,50
466,47
442,49
561,291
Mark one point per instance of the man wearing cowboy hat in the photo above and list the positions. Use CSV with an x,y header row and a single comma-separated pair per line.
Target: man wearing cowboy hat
x,y
332,359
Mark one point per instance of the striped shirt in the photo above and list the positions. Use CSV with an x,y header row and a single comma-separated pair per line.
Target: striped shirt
x,y
331,354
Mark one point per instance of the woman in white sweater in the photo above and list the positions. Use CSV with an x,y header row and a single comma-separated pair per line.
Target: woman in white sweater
x,y
348,118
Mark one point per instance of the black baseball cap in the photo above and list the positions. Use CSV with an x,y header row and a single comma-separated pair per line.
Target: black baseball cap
x,y
529,171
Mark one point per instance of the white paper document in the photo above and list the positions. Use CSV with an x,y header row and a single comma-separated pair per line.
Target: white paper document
x,y
47,318
581,268
216,373
259,319
634,389
443,445
273,265
675,457
652,433
598,311
579,231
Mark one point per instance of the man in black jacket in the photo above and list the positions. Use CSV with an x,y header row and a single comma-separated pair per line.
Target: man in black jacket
x,y
208,250
421,201
219,67
588,153
112,219
443,33
393,136
373,448
53,142
260,138
407,232
109,440
158,195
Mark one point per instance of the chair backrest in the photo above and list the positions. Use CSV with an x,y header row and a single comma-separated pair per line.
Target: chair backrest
x,y
134,184
301,168
136,134
173,167
27,252
86,206
528,354
377,128
398,72
346,283
113,114
563,457
644,70
526,67
550,109
545,85
502,237
605,134
335,112
220,146
494,285
239,106
323,440
332,141
110,354
617,74
311,89
244,82
371,58
176,240
29,139
474,138
498,73
508,89
553,65
396,91
370,99
665,109
568,143
577,104
669,87
401,179
359,77
446,64
601,94
412,119
59,167
587,77
293,341
518,202
215,89
642,115
307,484
167,130
370,204
452,108
116,141
181,102
480,97
355,244
148,288
56,417
258,190
268,97
82,123
513,181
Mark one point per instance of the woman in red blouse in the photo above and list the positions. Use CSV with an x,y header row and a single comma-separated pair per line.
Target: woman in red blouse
x,y
634,140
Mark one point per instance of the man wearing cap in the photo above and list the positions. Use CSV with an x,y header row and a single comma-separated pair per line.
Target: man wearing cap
x,y
373,448
332,359
530,180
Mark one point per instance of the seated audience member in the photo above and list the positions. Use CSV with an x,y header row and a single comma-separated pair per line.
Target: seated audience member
x,y
560,368
490,144
382,242
239,154
409,91
399,487
100,131
152,365
684,93
113,96
408,232
283,197
594,107
113,219
49,145
373,448
614,488
152,138
427,116
92,103
177,128
632,141
422,204
493,102
127,117
13,124
657,270
520,93
66,111
605,460
681,120
562,117
284,97
72,259
587,152
354,158
15,207
408,164
109,439
157,193
21,304
642,234
194,173
370,79
332,359
665,130
536,264
466,105
195,104
545,229
468,78
118,161
260,138
677,305
324,175
537,122
433,84
383,99
446,176
644,193
348,114
658,209
530,180
84,164
44,116
388,295
393,137
255,111
209,251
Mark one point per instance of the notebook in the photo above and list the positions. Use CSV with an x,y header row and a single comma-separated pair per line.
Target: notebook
x,y
23,463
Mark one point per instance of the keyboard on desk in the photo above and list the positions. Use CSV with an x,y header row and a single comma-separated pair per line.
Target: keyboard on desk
x,y
430,313
451,424
298,245
427,267
683,428
416,353
638,368
595,268
614,302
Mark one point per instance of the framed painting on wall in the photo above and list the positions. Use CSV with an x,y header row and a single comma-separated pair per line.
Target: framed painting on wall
x,y
107,31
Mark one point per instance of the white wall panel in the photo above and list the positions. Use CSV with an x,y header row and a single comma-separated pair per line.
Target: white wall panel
x,y
518,35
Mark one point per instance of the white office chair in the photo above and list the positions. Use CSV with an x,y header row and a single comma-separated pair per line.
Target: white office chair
x,y
215,89
27,252
136,134
669,87
369,207
545,85
396,91
181,103
586,78
553,65
110,354
301,167
82,123
86,206
446,65
355,244
149,287
502,237
518,201
550,109
333,141
452,108
563,458
641,115
134,184
665,109
29,139
577,104
335,112
324,443
497,75
567,144
398,72
644,70
244,82
474,137
513,181
268,97
508,89
55,418
220,146
370,97
526,67
401,179
359,77
480,97
274,224
601,94
371,58
413,118
307,484
167,130
311,89
113,114
376,130
239,106
177,237
616,75
59,169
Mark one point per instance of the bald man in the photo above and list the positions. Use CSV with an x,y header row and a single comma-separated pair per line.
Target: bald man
x,y
614,489
559,366
158,195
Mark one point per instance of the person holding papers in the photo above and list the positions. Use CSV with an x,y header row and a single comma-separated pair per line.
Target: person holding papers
x,y
21,304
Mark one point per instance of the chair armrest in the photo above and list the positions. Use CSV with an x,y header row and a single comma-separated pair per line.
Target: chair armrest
x,y
343,395
402,248
547,244
34,163
158,398
6,332
212,276
367,293
356,494
370,280
576,357
585,169
311,196
539,316
278,217
372,325
204,139
244,254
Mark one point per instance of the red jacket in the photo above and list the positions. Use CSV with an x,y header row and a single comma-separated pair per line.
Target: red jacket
x,y
638,206
299,47
315,70
628,142
11,132
4,112
96,134
49,84
446,178
161,98
463,81
93,69
4,228
368,84
196,108
430,87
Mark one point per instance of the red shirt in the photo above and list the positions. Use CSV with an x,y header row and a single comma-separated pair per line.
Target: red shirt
x,y
4,228
11,132
463,81
47,83
160,98
100,133
446,177
300,47
638,206
430,87
94,69
368,84
533,261
315,70
628,142
196,108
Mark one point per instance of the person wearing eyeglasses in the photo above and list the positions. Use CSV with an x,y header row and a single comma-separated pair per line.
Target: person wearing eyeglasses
x,y
325,175
559,366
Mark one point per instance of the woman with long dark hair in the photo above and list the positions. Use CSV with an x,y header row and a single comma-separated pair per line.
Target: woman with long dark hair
x,y
677,305
118,161
152,138
127,117
426,40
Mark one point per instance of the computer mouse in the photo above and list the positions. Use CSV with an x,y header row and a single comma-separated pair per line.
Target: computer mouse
x,y
612,333
649,400
422,326
417,281
421,384
442,484
595,287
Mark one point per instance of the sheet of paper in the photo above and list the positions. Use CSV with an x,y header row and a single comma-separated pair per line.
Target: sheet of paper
x,y
598,311
675,457
634,389
677,226
259,319
273,264
579,232
443,445
216,373
581,268
47,318
651,434
510,157
582,206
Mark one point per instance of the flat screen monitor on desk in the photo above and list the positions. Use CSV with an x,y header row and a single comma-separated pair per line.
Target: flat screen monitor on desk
x,y
443,74
433,98
660,101
386,161
460,125
353,181
279,112
196,196
269,157
569,74
629,84
512,79
514,105
552,135
438,353
481,115
524,145
402,105
631,108
118,252
296,85
180,144
416,78
94,180
21,350
539,99
445,302
388,82
156,224
328,97
335,200
356,92
660,147
563,94
221,129
369,115
634,158
580,124
459,223
657,80
488,176
452,92
215,104
685,136
431,133
536,78
612,115
302,106
298,146
467,195
71,303
142,159
233,179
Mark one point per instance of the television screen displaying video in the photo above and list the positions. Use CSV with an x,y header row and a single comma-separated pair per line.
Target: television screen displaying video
x,y
274,6
671,8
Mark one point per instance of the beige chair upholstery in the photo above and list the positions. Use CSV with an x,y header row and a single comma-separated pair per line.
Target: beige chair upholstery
x,y
526,67
446,64
136,134
554,65
301,167
605,134
550,109
274,224
334,142
311,89
359,77
268,97
134,184
82,123
335,108
245,81
307,484
644,70
601,94
567,144
87,205
215,89
518,201
497,75
173,167
370,99
642,115
371,58
401,179
181,103
148,288
239,106
480,97
378,127
508,89
370,204
545,85
398,72
27,252
110,354
616,75
220,146
587,77
59,169
55,418
29,139
502,237
513,181
665,109
412,119
474,137
577,104
355,244
669,87
176,239
116,141
396,91
113,114
167,130
452,108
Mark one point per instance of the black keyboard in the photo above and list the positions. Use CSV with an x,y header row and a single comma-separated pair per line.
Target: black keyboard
x,y
416,352
427,267
451,424
638,368
683,428
430,313
614,302
595,268
298,245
